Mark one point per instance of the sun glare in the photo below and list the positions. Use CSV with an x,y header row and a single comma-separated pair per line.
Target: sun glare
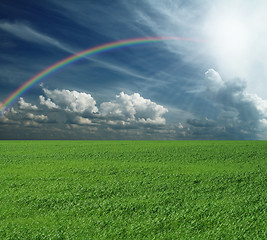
x,y
229,40
231,36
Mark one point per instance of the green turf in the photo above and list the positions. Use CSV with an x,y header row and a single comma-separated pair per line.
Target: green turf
x,y
133,189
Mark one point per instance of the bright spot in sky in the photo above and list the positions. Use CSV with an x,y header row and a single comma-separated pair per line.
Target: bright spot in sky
x,y
229,37
236,36
232,36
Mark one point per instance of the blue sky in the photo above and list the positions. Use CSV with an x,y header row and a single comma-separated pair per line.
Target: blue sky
x,y
213,89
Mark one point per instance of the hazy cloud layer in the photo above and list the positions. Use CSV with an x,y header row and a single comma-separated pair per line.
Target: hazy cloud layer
x,y
239,115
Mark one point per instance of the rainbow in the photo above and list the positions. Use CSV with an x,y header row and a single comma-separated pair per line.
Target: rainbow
x,y
74,58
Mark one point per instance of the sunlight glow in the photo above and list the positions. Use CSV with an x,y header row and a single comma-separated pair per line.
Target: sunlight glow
x,y
231,37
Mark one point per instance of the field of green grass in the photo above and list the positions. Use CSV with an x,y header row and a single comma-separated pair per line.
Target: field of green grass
x,y
133,189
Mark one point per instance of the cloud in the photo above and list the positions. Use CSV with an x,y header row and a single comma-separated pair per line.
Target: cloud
x,y
126,110
71,101
213,80
239,115
25,105
201,122
48,102
233,32
236,39
173,18
38,118
3,119
27,33
125,114
112,28
82,121
261,104
236,115
77,117
134,108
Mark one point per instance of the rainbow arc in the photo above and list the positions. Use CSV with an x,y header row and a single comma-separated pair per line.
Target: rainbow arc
x,y
12,98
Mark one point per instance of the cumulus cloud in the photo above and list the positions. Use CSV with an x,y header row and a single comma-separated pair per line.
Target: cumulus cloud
x,y
127,115
71,101
25,105
261,104
125,111
214,80
240,115
134,108
48,102
236,114
82,121
38,118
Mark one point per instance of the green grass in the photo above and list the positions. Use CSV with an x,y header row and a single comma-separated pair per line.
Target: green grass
x,y
133,189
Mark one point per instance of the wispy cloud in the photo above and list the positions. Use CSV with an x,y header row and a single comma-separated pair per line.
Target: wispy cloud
x,y
29,34
173,18
120,16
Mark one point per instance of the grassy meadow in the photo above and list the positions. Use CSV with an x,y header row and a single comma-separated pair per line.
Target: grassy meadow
x,y
133,189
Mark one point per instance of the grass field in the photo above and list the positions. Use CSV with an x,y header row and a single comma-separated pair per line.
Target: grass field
x,y
133,189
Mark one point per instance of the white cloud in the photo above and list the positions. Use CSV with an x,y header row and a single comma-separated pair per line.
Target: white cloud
x,y
261,104
38,118
32,124
13,110
214,80
47,102
25,105
82,121
72,101
133,108
126,111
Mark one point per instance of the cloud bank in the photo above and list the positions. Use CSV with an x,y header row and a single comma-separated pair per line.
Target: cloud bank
x,y
236,114
71,114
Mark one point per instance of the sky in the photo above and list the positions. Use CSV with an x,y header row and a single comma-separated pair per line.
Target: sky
x,y
210,89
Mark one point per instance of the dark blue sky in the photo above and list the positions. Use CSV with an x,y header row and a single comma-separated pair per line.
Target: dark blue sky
x,y
166,90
